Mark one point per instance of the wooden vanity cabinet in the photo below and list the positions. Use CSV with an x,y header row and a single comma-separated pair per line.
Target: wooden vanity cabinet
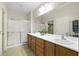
x,y
45,48
62,51
49,49
39,47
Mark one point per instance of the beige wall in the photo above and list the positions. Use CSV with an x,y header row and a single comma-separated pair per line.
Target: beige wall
x,y
15,14
28,16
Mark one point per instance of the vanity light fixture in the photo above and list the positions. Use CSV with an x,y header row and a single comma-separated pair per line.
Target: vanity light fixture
x,y
42,8
45,8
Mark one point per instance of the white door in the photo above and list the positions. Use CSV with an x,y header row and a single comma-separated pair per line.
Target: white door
x,y
0,31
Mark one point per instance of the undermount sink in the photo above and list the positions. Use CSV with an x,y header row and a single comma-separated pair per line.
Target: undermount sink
x,y
63,41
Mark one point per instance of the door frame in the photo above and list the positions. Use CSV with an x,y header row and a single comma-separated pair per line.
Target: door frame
x,y
3,12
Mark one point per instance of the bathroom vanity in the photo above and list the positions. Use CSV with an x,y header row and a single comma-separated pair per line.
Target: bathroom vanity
x,y
51,45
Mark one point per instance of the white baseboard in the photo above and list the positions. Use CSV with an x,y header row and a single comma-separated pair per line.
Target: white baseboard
x,y
16,45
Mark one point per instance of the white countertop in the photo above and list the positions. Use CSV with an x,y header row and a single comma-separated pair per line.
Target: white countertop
x,y
57,39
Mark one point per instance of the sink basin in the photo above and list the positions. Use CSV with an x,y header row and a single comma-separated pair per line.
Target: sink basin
x,y
63,41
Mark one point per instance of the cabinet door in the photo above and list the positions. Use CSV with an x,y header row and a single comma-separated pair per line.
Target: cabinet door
x,y
40,42
62,51
39,51
49,49
39,47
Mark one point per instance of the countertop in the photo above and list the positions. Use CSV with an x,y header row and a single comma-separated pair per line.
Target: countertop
x,y
57,39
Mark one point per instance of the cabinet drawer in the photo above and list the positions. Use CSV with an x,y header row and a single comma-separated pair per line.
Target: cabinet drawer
x,y
49,49
33,48
33,40
40,40
40,43
38,47
39,51
33,44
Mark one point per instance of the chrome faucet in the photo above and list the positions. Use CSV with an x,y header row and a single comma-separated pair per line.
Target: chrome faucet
x,y
66,34
63,38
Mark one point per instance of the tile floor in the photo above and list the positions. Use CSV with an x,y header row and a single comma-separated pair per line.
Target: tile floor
x,y
19,51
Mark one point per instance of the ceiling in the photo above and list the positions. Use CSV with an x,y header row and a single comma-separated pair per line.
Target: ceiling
x,y
22,7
